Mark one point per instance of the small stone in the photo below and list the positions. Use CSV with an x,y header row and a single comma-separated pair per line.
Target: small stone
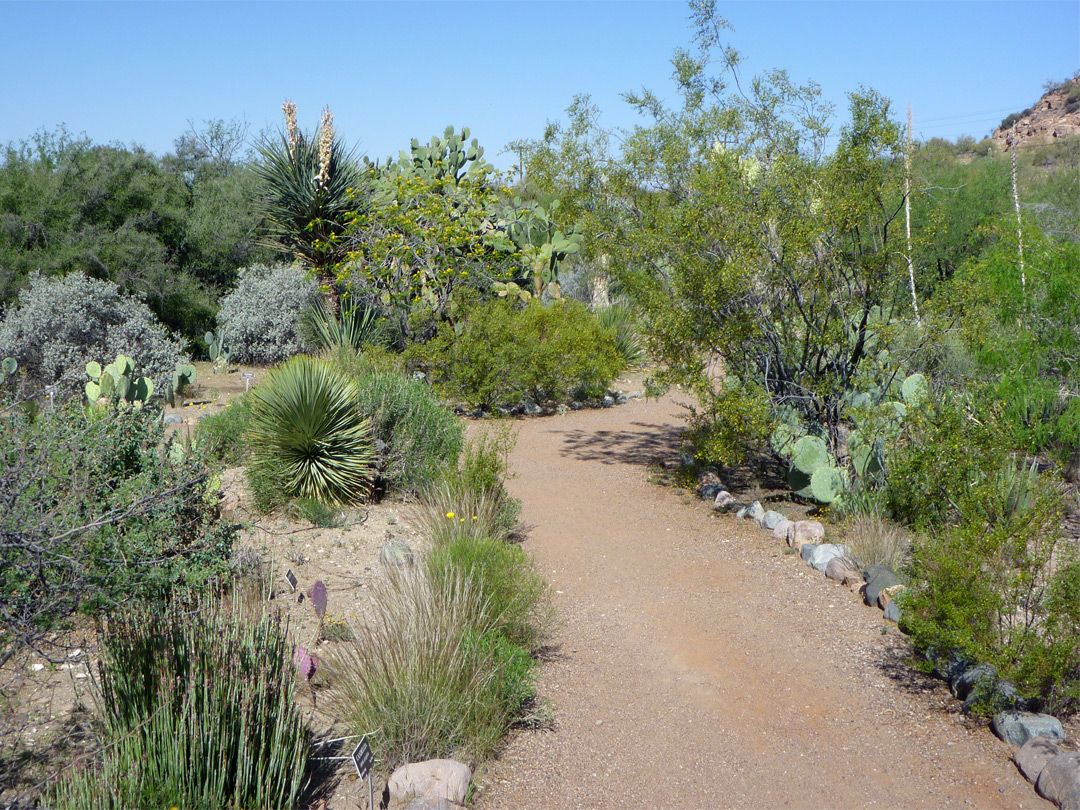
x,y
621,399
1033,756
37,667
855,584
708,478
887,594
608,401
723,498
173,419
1059,781
770,520
562,410
531,409
432,780
396,553
754,511
842,568
805,531
709,492
1016,728
820,557
780,530
878,578
892,611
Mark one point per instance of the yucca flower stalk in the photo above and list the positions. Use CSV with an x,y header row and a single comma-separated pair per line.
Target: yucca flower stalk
x,y
307,187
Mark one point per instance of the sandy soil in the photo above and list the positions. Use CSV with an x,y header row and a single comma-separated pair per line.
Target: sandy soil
x,y
700,666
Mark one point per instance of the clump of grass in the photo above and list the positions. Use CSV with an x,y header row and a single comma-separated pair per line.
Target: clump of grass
x,y
418,675
198,710
876,540
220,436
317,512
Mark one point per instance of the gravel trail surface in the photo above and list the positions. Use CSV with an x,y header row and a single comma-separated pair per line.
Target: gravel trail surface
x,y
699,666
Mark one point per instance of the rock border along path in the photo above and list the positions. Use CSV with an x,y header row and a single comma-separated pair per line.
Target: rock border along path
x,y
699,666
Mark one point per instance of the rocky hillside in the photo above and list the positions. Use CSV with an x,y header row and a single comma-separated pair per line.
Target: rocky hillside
x,y
1055,115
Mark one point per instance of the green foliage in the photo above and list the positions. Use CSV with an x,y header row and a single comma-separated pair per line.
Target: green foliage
x,y
352,329
199,712
116,381
421,437
308,432
96,515
984,586
220,436
628,340
506,353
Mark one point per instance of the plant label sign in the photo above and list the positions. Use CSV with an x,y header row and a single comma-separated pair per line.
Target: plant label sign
x,y
363,759
290,577
247,377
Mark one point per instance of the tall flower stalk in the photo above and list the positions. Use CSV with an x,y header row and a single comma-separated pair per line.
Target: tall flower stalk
x,y
307,186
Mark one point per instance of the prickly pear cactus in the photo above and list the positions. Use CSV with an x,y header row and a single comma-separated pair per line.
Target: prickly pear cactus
x,y
114,381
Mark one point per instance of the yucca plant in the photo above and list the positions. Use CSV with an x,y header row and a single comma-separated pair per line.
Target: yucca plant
x,y
308,433
198,710
352,329
307,186
628,342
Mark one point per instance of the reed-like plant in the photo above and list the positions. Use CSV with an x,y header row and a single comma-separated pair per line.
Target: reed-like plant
x,y
199,713
352,329
628,341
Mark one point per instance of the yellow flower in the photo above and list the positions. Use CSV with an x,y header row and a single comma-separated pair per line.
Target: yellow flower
x,y
474,517
450,515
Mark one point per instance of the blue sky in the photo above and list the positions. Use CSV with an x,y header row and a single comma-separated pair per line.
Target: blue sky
x,y
139,72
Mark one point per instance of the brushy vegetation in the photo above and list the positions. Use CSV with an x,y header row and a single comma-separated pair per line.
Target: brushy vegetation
x,y
419,435
259,318
220,436
95,514
198,712
308,435
61,324
506,353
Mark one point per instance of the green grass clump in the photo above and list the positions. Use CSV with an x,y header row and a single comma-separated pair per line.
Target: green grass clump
x,y
220,436
199,713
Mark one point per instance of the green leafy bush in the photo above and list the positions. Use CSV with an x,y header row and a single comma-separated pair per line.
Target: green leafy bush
x,y
629,343
199,712
507,353
308,433
421,436
95,513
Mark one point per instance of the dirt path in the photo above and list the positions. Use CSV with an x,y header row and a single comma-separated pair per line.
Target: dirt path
x,y
701,667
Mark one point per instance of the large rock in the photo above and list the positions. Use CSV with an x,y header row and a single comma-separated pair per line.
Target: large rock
x,y
1033,756
878,578
824,553
780,530
893,612
709,479
807,551
770,520
802,532
887,595
431,781
1059,781
843,569
995,695
1016,728
709,492
965,683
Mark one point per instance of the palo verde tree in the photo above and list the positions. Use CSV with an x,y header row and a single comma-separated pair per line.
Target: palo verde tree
x,y
308,186
753,249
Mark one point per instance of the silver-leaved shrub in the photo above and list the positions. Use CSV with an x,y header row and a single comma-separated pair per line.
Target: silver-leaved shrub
x,y
258,318
60,324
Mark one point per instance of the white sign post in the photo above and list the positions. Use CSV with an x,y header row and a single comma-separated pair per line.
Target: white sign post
x,y
247,377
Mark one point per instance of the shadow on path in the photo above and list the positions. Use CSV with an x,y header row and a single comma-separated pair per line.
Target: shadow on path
x,y
649,444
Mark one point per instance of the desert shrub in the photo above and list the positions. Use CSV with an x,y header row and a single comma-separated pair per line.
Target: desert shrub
x,y
259,317
505,354
220,436
421,437
993,586
199,712
422,672
60,324
308,433
876,540
95,514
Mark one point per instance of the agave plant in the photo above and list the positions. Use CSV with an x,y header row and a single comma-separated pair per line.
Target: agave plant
x,y
307,431
628,342
307,185
318,326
